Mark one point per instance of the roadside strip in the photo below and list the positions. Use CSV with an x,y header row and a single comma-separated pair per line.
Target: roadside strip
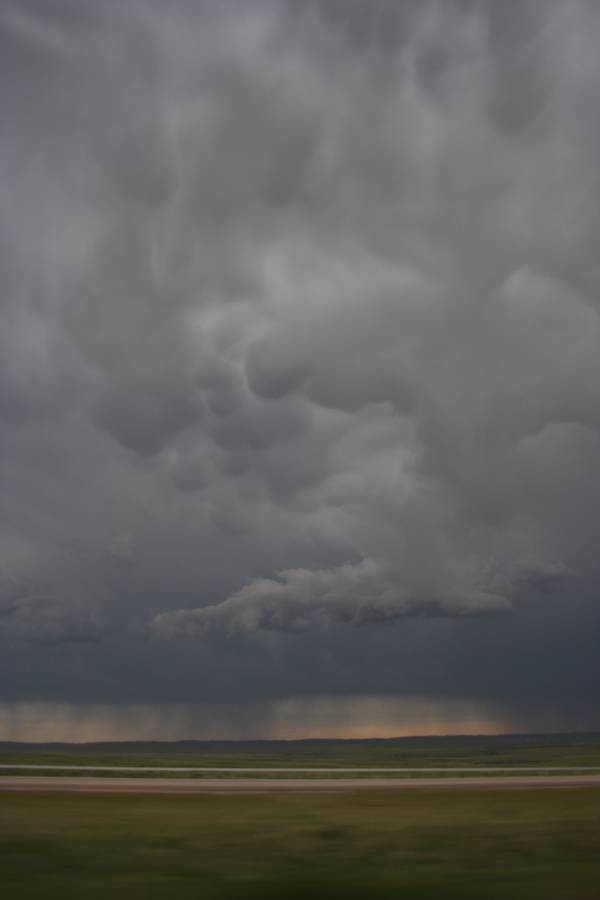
x,y
265,785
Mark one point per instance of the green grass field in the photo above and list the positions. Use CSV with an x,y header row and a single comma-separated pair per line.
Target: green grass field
x,y
492,845
572,750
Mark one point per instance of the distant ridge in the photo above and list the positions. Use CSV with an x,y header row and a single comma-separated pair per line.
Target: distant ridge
x,y
187,745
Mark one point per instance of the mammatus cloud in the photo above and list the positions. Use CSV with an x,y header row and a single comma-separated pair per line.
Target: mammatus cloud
x,y
299,325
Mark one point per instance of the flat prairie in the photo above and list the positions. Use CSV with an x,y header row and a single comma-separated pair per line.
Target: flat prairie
x,y
464,845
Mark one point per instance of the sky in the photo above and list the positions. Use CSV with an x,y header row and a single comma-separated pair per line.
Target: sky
x,y
299,367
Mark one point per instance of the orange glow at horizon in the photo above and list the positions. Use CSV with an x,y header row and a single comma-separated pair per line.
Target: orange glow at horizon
x,y
292,719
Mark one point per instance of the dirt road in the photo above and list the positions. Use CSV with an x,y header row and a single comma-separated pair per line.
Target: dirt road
x,y
266,770
271,785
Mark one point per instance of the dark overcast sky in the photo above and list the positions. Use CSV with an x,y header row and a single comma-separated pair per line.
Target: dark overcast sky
x,y
299,364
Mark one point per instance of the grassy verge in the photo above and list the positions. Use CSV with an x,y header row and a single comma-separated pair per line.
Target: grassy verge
x,y
334,775
485,845
574,750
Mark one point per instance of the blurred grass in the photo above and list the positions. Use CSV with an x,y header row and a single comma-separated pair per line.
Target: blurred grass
x,y
492,845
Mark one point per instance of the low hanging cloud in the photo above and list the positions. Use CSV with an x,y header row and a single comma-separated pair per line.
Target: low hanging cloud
x,y
365,593
300,599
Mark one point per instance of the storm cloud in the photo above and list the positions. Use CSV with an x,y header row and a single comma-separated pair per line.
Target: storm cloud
x,y
299,332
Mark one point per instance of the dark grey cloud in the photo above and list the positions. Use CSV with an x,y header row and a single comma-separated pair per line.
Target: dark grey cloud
x,y
299,330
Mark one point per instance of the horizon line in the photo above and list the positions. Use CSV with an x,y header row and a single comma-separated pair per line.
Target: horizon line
x,y
310,740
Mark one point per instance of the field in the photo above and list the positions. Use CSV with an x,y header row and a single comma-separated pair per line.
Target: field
x,y
493,845
479,752
458,844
